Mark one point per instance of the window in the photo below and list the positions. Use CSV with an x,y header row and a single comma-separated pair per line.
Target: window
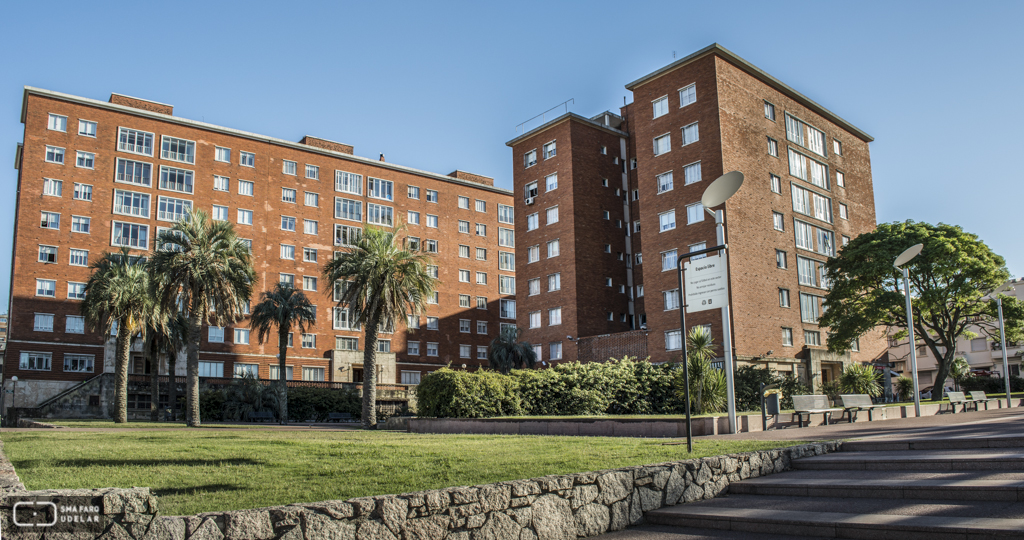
x,y
481,352
812,337
530,159
532,221
81,363
776,183
134,172
308,283
555,282
53,188
431,221
245,187
346,236
287,279
787,337
550,150
220,213
671,299
379,215
552,215
506,237
553,248
43,322
668,260
343,319
554,316
83,192
697,247
773,147
837,147
794,130
556,350
173,179
662,144
665,182
287,223
287,252
506,261
979,344
534,286
533,254
481,254
46,287
130,235
432,323
690,134
506,310
660,107
135,141
317,373
221,183
464,326
76,291
380,189
275,371
846,239
310,227
312,172
412,377
550,181
350,344
85,160
464,276
431,349
130,203
769,111
784,298
505,214
348,209
431,196
347,182
506,285
215,334
49,220
535,319
211,369
308,341
247,159
222,154
432,270
809,308
55,155
56,122
844,211
694,213
692,173
79,257
778,221
35,361
79,224
607,282
639,258
87,128
244,217
673,341
309,255
412,243
176,149
48,254
687,95
463,202
780,258
481,278
288,195
840,179
464,252
242,336
667,220
604,182
798,167
481,302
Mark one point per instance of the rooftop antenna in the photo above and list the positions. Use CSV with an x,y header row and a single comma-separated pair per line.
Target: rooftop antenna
x,y
673,55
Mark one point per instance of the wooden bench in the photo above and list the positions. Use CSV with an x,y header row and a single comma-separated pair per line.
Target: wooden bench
x,y
261,416
853,403
980,397
808,405
339,417
957,398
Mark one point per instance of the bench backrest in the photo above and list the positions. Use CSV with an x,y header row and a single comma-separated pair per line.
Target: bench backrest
x,y
808,403
856,400
977,394
956,397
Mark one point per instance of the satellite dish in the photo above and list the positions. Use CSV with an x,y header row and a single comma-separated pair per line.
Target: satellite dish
x,y
721,189
910,253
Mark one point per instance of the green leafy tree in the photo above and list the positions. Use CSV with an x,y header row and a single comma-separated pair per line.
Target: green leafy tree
x,y
861,379
205,271
707,384
950,281
116,294
380,283
959,371
287,309
506,352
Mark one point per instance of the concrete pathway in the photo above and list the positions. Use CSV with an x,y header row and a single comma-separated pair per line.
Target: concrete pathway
x,y
960,481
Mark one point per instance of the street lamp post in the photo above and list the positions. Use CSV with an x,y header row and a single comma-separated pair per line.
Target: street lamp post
x,y
1005,287
901,261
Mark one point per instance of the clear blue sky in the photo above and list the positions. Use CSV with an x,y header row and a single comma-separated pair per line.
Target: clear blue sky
x,y
442,85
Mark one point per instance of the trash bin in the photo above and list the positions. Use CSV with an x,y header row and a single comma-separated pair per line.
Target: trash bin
x,y
771,404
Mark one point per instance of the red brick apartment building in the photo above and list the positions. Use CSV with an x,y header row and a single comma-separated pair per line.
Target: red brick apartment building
x,y
94,176
606,204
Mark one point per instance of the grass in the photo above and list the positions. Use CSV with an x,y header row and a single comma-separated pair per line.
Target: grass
x,y
109,424
213,470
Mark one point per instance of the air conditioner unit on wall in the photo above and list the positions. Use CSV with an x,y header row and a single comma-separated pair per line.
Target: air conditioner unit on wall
x,y
529,201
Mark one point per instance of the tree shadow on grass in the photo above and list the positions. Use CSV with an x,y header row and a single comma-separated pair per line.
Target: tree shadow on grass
x,y
114,462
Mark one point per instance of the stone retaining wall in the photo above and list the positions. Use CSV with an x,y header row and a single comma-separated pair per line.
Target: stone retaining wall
x,y
562,507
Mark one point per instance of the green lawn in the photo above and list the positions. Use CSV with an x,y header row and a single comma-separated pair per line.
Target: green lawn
x,y
109,424
210,469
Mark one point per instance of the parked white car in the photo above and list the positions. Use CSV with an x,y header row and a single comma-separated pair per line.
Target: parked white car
x,y
927,392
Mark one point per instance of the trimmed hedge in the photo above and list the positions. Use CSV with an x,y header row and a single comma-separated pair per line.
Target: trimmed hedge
x,y
615,387
992,385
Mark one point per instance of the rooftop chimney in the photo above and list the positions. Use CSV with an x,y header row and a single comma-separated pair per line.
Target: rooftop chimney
x,y
144,104
382,156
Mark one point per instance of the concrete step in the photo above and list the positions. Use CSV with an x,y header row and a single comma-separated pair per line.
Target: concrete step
x,y
949,486
933,443
824,517
949,460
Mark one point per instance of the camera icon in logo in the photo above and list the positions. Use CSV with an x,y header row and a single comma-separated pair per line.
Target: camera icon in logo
x,y
35,514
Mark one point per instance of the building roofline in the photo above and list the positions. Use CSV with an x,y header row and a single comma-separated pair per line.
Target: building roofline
x,y
141,99
760,74
563,118
29,90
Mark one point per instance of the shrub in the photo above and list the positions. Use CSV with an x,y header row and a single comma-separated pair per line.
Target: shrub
x,y
832,389
861,379
447,393
791,386
904,388
992,385
248,395
211,404
315,404
747,383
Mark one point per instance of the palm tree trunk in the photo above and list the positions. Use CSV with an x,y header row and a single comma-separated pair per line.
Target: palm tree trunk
x,y
370,376
282,386
124,344
172,384
154,376
192,367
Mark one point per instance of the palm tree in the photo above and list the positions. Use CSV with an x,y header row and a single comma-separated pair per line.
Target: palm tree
x,y
507,352
383,283
170,341
116,294
202,269
283,307
707,384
